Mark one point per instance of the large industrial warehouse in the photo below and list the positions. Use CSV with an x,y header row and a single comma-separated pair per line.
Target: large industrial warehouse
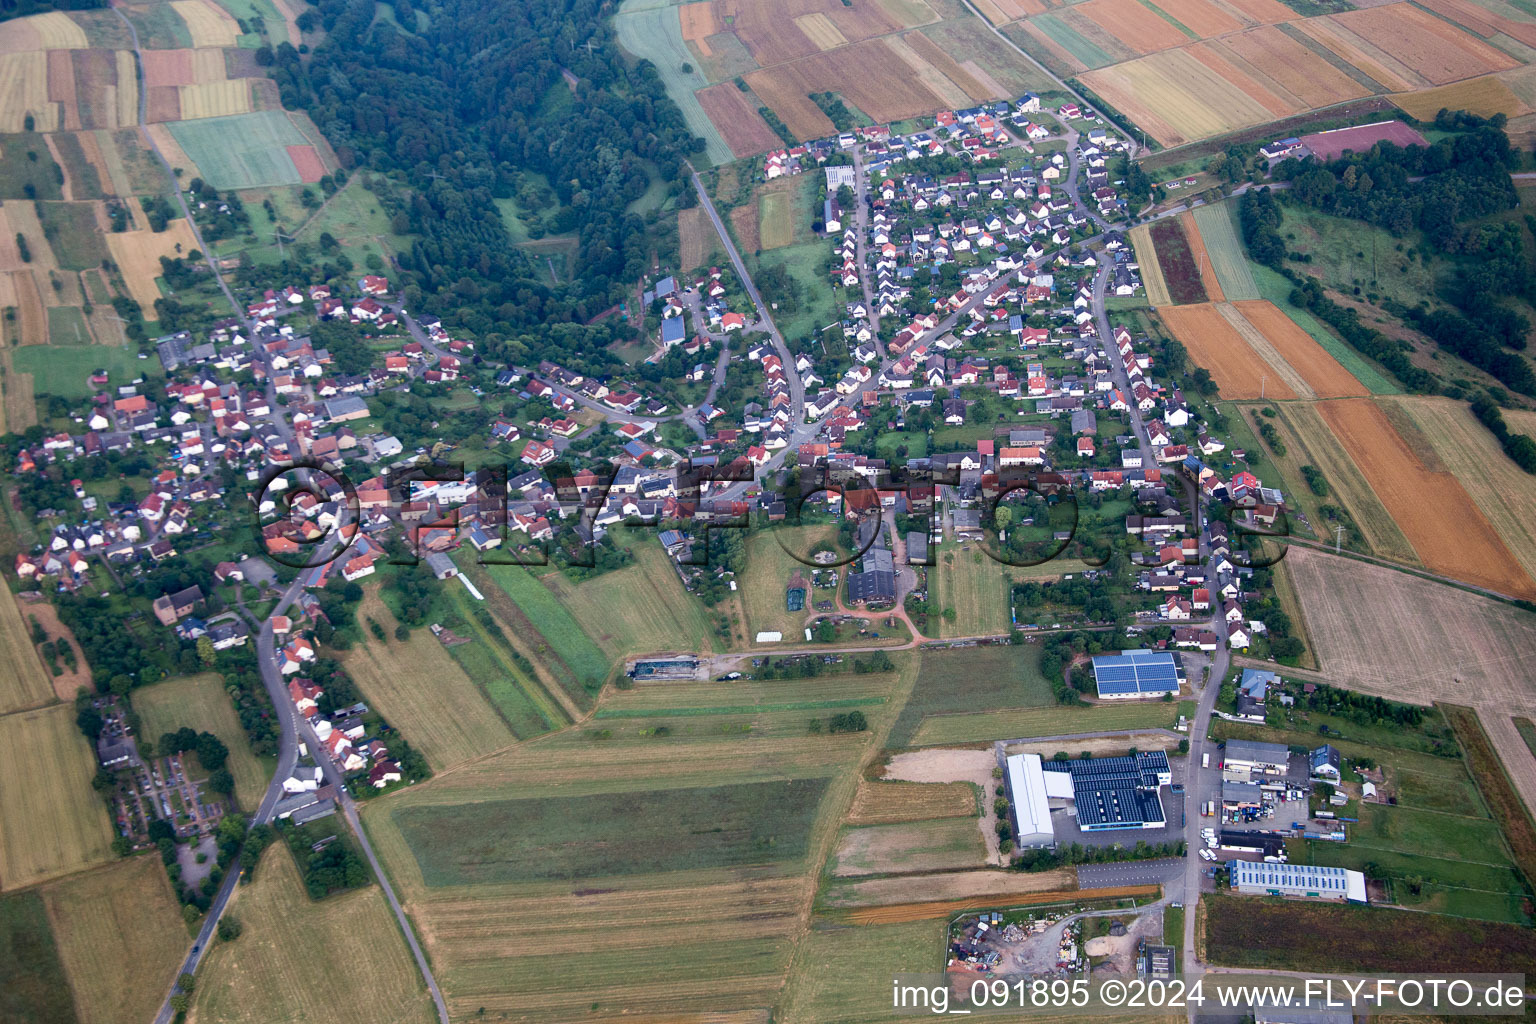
x,y
1108,793
1265,878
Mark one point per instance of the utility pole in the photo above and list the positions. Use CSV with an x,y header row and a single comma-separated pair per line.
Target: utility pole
x,y
1338,537
1263,377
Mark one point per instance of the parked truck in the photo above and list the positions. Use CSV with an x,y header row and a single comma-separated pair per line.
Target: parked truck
x,y
1205,760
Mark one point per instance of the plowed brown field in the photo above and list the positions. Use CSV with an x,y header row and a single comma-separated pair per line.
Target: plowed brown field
x,y
698,21
1440,520
1215,344
737,120
1320,370
1134,25
883,803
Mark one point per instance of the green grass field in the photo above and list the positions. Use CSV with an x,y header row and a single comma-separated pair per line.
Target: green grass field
x,y
1407,830
160,27
19,169
519,698
66,370
835,980
770,564
73,234
818,306
639,608
1069,39
355,219
66,326
974,727
1228,258
241,151
972,585
611,834
33,988
655,33
971,683
199,702
588,665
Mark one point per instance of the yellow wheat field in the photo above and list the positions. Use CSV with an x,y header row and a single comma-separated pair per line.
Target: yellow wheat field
x,y
819,29
23,91
1176,97
216,99
209,25
55,31
127,89
52,822
208,65
137,254
1482,96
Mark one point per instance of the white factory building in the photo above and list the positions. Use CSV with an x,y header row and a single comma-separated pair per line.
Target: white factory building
x,y
1263,878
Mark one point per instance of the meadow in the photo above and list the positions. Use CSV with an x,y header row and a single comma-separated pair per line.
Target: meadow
x,y
940,845
579,665
976,588
654,33
640,608
970,683
120,937
199,702
33,987
52,822
284,966
1228,258
421,690
242,150
1052,720
541,839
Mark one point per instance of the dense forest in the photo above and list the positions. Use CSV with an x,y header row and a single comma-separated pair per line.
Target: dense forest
x,y
460,112
22,8
1440,190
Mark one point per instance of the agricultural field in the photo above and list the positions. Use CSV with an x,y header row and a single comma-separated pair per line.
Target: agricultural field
x,y
419,688
284,965
52,822
116,928
199,702
33,987
735,117
547,633
972,585
1176,259
243,151
697,243
1289,348
696,937
654,32
1046,720
1309,442
1195,249
66,370
1151,270
1484,97
970,683
1297,935
1503,492
833,981
639,609
885,803
1430,642
137,254
25,682
1224,251
1240,372
944,844
1430,505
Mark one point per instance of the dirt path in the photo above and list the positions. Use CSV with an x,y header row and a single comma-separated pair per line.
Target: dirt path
x,y
942,765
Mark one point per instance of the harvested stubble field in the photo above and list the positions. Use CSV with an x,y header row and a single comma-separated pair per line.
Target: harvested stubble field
x,y
52,30
885,803
863,72
949,885
1151,269
1177,260
448,719
1216,345
209,24
772,30
1481,96
23,91
283,968
52,822
1504,492
1287,68
697,242
199,702
137,254
736,117
116,927
944,844
1448,531
1310,442
1176,97
1433,48
1429,642
1256,341
979,726
1202,17
1296,348
24,683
